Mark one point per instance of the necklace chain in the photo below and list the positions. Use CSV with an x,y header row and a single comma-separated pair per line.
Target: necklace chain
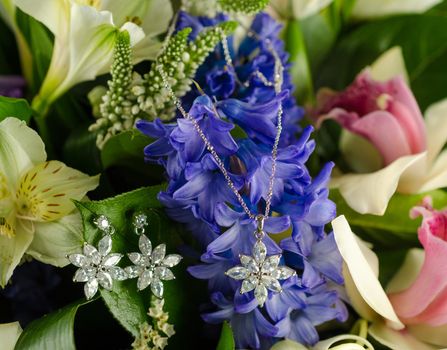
x,y
278,80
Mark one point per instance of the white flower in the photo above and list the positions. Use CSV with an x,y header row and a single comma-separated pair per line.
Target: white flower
x,y
369,193
35,199
368,9
9,334
350,342
298,9
84,38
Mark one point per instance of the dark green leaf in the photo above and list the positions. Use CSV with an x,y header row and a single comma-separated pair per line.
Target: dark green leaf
x,y
15,107
226,341
51,332
423,39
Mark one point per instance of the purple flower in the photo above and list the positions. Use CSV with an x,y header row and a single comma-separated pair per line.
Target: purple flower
x,y
12,86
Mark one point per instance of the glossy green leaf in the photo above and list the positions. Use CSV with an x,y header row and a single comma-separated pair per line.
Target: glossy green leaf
x,y
423,39
226,341
51,332
15,107
396,220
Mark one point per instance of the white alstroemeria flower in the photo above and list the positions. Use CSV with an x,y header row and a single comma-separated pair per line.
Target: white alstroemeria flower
x,y
36,209
9,334
340,342
369,298
367,9
369,191
298,9
84,39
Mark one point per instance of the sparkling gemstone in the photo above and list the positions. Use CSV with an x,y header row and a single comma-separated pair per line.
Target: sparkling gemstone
x,y
140,220
133,271
102,222
90,288
78,260
271,283
157,288
238,272
283,272
145,279
249,263
249,284
92,253
112,259
135,258
171,260
259,251
145,245
105,245
117,273
163,273
84,274
158,254
261,294
104,279
270,264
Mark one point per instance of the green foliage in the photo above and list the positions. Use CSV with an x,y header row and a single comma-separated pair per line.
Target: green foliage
x,y
51,332
423,39
15,107
243,6
226,341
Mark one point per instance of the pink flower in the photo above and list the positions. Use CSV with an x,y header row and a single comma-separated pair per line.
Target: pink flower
x,y
385,113
425,301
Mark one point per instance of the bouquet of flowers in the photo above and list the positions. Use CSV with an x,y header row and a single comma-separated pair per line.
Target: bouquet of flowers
x,y
223,174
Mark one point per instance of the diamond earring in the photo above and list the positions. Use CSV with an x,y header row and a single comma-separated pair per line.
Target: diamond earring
x,y
151,266
97,266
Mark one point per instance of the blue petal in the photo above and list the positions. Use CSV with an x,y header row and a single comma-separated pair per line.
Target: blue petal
x,y
321,212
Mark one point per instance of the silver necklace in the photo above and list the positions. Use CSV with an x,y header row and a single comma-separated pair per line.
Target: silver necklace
x,y
258,272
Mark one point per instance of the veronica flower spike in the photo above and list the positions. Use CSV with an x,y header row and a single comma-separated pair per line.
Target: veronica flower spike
x,y
35,200
84,39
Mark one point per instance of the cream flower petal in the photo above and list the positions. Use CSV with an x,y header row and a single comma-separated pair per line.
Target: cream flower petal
x,y
46,191
20,149
12,250
430,335
364,9
362,274
389,65
397,340
370,193
408,272
350,342
435,117
53,241
9,334
288,344
437,174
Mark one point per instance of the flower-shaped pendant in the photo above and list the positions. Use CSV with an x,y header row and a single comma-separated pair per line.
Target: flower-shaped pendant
x,y
260,272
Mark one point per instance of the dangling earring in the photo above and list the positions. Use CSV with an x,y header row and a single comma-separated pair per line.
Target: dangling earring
x,y
97,266
151,266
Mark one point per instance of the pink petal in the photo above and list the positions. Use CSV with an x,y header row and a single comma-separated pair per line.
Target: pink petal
x,y
385,132
425,301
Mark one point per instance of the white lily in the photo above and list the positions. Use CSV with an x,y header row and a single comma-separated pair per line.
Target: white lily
x,y
298,9
369,193
84,39
36,208
9,334
340,342
367,9
369,298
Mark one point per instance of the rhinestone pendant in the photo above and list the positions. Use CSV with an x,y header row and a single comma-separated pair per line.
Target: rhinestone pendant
x,y
260,273
97,267
151,266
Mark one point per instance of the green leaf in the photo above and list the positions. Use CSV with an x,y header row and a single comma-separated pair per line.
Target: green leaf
x,y
51,332
226,341
125,148
396,221
423,39
15,107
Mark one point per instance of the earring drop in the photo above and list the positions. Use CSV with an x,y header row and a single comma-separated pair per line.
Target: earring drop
x,y
97,266
151,266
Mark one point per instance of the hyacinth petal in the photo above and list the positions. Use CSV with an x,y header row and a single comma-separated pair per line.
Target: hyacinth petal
x,y
436,128
362,274
384,132
396,340
370,193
